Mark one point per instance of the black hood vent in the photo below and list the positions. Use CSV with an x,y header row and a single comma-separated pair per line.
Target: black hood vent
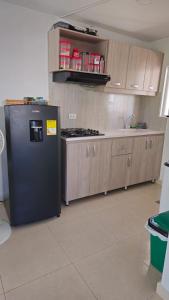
x,y
80,77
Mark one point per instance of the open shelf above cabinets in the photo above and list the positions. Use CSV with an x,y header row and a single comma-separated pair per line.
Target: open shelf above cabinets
x,y
82,42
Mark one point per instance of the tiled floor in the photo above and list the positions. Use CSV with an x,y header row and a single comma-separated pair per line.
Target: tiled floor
x,y
97,249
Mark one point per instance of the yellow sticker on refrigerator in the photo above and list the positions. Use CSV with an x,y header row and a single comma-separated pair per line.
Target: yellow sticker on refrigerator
x,y
51,126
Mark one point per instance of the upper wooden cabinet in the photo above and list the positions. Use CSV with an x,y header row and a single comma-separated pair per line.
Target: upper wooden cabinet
x,y
133,69
117,62
136,68
153,70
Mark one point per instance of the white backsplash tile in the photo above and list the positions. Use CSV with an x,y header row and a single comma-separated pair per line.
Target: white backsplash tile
x,y
95,110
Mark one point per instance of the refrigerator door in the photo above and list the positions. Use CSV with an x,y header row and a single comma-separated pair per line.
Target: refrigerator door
x,y
33,150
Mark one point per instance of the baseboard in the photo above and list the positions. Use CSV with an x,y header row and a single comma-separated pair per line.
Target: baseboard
x,y
162,292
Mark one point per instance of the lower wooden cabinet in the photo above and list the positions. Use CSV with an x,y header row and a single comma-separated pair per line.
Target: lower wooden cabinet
x,y
92,167
119,171
146,159
87,165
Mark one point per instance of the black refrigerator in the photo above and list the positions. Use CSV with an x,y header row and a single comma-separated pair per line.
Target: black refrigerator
x,y
33,155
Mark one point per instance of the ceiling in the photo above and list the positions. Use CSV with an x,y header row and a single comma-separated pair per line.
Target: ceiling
x,y
144,19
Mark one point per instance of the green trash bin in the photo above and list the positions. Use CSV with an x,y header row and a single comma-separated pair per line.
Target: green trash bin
x,y
158,227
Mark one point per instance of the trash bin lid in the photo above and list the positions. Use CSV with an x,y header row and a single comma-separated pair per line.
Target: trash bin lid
x,y
163,220
155,227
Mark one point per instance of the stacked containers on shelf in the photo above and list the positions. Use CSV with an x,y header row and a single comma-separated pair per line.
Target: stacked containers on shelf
x,y
64,56
85,61
96,63
76,60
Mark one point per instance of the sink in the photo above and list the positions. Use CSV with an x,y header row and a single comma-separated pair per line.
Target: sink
x,y
133,129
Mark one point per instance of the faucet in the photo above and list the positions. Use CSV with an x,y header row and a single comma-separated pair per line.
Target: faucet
x,y
129,121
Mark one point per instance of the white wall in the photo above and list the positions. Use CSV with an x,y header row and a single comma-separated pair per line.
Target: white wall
x,y
24,54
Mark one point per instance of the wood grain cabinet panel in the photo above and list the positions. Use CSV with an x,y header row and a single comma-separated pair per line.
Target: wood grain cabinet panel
x,y
100,164
155,148
136,68
87,168
93,167
119,171
153,71
146,159
77,170
121,146
117,62
140,158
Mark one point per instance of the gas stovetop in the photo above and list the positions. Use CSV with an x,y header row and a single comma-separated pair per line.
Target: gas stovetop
x,y
79,132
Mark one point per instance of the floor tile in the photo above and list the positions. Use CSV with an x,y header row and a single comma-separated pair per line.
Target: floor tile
x,y
3,214
87,243
30,253
105,238
82,236
114,275
2,297
119,221
62,285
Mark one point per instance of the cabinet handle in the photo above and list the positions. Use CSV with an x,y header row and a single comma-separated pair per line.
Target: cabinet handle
x,y
151,144
146,145
94,150
87,151
116,83
151,88
128,162
134,85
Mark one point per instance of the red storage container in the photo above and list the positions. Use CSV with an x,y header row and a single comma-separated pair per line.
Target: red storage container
x,y
76,63
64,62
65,47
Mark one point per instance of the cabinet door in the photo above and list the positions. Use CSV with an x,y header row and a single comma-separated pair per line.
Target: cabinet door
x,y
139,161
100,152
136,68
118,54
78,170
119,171
155,145
153,71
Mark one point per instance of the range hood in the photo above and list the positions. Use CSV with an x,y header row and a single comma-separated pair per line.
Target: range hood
x,y
80,77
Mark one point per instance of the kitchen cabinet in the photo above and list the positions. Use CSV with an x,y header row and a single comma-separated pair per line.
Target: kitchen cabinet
x,y
117,62
97,166
77,170
87,165
120,162
146,159
155,148
136,68
83,42
133,70
119,171
121,146
153,70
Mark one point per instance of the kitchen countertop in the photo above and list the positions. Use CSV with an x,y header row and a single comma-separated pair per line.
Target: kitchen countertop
x,y
119,133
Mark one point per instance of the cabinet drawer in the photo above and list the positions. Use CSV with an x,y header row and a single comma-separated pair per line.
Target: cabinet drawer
x,y
122,146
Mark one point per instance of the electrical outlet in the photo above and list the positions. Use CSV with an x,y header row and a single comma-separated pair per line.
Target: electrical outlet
x,y
72,116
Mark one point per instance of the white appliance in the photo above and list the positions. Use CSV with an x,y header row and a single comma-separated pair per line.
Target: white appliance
x,y
164,200
5,229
